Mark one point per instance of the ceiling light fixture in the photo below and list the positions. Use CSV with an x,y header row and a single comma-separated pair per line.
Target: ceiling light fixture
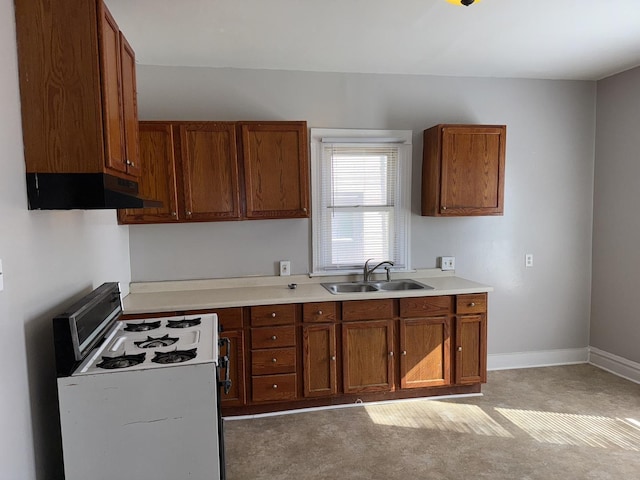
x,y
466,3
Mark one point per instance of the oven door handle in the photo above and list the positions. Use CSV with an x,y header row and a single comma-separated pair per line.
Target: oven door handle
x,y
224,363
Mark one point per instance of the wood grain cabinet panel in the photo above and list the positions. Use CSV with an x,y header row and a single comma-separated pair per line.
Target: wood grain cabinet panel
x,y
273,315
237,393
158,163
471,303
272,337
425,352
367,356
367,310
319,312
463,170
471,349
319,360
274,388
272,361
276,169
77,88
426,306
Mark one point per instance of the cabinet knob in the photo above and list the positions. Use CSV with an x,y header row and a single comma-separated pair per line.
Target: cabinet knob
x,y
127,162
188,213
274,338
132,164
273,315
319,312
174,214
304,209
274,360
459,349
333,358
391,354
444,208
472,304
404,352
275,386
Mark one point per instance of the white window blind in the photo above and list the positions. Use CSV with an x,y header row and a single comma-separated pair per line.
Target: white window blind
x,y
361,194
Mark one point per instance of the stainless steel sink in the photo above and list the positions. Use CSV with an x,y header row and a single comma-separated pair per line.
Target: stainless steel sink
x,y
391,286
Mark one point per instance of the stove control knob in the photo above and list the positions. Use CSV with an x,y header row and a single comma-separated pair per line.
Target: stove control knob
x,y
274,338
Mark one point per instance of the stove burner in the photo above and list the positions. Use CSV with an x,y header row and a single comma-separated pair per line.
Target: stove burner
x,y
142,327
184,323
122,361
151,342
177,356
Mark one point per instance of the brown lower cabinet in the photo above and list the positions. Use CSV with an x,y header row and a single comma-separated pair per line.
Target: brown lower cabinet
x,y
301,355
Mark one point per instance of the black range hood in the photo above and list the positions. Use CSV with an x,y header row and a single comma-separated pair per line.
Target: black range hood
x,y
83,191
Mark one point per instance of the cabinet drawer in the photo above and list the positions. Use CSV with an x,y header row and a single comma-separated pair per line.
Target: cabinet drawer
x,y
474,303
274,360
320,312
230,318
426,306
272,388
367,310
273,337
273,315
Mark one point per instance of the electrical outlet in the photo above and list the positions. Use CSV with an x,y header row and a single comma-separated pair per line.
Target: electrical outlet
x,y
285,268
528,260
448,263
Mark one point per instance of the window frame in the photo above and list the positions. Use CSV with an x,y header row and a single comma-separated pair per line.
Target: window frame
x,y
402,210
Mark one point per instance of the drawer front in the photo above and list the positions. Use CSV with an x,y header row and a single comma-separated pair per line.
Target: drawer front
x,y
273,337
274,360
367,310
473,303
230,318
273,315
273,388
320,312
426,306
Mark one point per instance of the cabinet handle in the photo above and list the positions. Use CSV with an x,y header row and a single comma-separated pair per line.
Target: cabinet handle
x,y
319,312
404,352
275,386
274,360
472,304
274,338
333,358
459,349
391,354
273,315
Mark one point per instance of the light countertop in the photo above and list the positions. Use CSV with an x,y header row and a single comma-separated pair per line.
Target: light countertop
x,y
148,297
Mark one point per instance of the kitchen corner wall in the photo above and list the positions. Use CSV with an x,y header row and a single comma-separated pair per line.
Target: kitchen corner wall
x,y
548,194
615,321
49,259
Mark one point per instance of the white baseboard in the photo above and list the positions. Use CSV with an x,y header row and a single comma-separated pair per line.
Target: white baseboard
x,y
614,364
540,358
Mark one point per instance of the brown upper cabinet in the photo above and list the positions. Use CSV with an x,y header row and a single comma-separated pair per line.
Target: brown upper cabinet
x,y
77,88
195,169
463,170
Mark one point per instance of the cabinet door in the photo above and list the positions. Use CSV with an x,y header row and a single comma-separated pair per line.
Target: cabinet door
x,y
276,169
129,107
159,176
209,164
471,349
425,356
367,356
472,177
319,360
237,394
111,91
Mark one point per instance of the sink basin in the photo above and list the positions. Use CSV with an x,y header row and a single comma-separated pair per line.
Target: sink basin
x,y
360,287
395,285
349,287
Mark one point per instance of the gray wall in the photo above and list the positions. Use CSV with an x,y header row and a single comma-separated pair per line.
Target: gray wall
x,y
548,199
615,321
49,259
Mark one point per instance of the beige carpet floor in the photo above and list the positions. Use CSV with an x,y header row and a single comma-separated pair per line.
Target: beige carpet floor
x,y
568,422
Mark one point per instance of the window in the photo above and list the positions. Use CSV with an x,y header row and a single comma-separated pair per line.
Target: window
x,y
361,198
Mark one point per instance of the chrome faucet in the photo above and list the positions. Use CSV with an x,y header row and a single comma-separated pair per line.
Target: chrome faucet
x,y
368,271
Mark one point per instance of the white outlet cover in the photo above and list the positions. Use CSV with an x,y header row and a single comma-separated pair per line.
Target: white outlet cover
x,y
448,263
285,268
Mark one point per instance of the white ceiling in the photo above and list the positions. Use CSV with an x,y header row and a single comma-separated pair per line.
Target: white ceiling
x,y
551,39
